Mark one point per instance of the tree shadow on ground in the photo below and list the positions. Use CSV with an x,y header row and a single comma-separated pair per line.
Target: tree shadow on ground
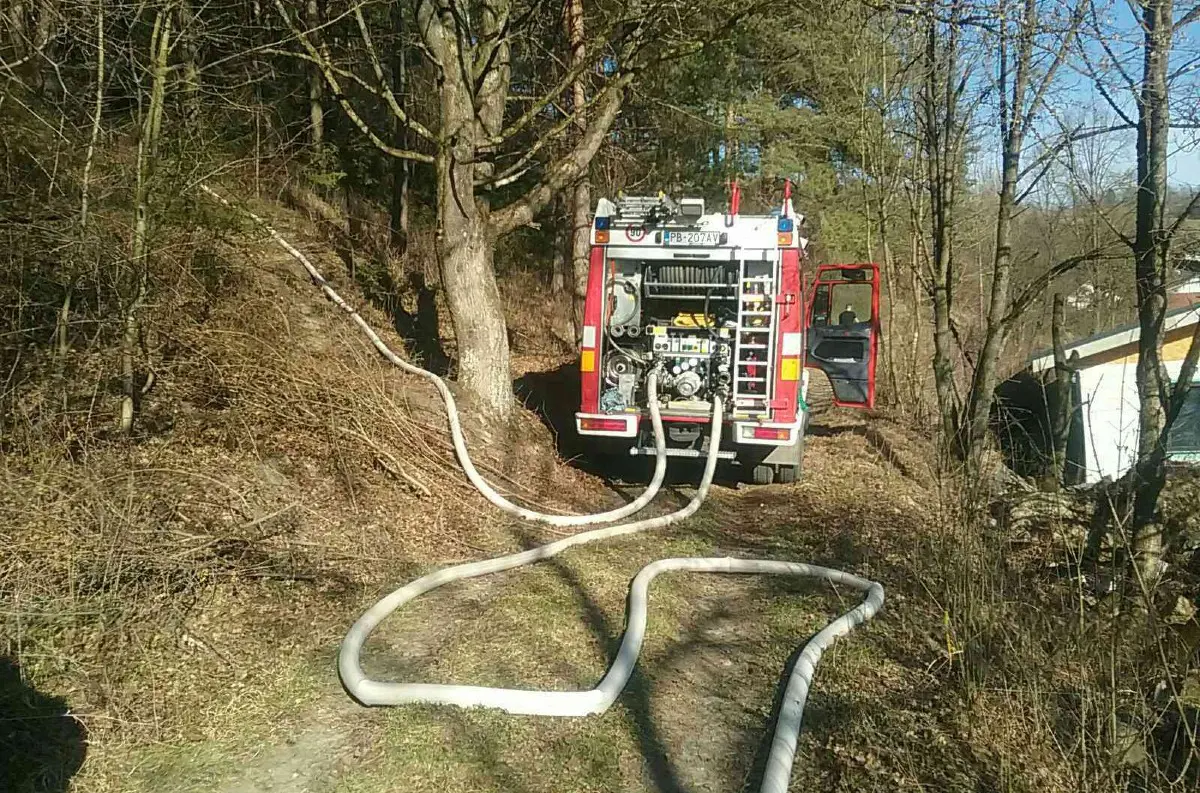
x,y
420,328
761,746
375,270
664,775
554,397
637,693
662,764
41,744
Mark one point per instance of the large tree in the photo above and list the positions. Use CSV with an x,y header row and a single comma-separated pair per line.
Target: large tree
x,y
496,115
1161,401
1031,45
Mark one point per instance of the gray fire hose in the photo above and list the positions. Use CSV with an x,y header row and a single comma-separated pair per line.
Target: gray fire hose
x,y
599,699
583,703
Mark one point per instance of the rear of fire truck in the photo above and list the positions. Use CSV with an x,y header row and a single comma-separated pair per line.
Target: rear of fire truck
x,y
719,305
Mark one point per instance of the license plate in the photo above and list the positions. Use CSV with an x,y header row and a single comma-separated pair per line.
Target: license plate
x,y
692,238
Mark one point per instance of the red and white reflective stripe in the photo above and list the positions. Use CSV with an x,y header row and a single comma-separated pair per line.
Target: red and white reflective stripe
x,y
589,354
790,345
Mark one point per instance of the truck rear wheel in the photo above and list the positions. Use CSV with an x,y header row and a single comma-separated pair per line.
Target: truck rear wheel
x,y
762,474
787,474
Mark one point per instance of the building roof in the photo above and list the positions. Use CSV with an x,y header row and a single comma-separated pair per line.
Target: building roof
x,y
1111,339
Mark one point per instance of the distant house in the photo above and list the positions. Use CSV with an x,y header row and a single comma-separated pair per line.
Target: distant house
x,y
1103,437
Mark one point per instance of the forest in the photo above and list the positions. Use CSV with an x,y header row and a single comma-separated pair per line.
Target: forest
x,y
1024,172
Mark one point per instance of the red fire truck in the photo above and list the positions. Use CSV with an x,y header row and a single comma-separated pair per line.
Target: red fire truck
x,y
718,304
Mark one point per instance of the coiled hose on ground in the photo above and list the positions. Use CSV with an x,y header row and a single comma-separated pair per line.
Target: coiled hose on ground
x,y
581,703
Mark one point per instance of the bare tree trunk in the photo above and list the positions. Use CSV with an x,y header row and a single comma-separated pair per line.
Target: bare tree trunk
x,y
17,26
316,81
190,67
917,263
1021,95
1151,243
940,131
983,382
401,167
561,267
160,45
47,19
472,61
943,366
893,289
465,236
884,192
64,316
97,110
254,68
469,283
1062,406
580,251
581,193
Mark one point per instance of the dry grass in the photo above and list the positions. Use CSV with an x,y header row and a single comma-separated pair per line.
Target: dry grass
x,y
158,583
183,592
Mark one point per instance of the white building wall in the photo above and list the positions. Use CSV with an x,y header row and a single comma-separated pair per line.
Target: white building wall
x,y
1110,416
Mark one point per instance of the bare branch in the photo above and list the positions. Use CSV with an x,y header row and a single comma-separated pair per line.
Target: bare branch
x,y
1038,286
1044,160
385,87
1060,57
570,167
1187,374
1188,18
1130,82
1195,200
323,61
925,12
539,104
628,33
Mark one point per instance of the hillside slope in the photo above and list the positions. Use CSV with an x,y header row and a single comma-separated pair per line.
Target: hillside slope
x,y
278,468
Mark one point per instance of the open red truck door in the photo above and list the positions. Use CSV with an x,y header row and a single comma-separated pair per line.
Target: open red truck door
x,y
843,330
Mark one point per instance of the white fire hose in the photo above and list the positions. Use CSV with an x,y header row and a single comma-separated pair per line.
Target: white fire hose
x,y
582,703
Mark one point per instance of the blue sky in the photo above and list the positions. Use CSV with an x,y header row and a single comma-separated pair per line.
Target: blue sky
x,y
1184,168
1122,32
1075,100
1185,160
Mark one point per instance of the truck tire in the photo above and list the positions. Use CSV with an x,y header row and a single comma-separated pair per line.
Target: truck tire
x,y
787,474
762,474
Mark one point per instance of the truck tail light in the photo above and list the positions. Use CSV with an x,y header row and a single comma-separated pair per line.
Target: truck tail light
x,y
603,425
770,434
601,237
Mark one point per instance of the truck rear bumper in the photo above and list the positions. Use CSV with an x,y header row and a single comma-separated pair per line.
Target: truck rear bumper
x,y
753,433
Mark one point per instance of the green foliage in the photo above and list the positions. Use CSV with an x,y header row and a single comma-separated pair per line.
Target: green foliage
x,y
326,179
781,96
